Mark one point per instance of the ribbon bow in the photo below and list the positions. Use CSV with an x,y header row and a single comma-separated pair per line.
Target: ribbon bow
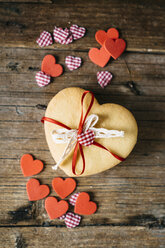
x,y
83,136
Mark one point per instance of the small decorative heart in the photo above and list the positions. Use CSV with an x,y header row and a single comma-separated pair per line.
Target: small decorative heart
x,y
78,32
99,57
72,62
45,39
68,40
42,79
63,188
72,220
54,208
87,138
36,191
50,67
115,48
73,199
101,35
84,206
59,34
29,166
104,78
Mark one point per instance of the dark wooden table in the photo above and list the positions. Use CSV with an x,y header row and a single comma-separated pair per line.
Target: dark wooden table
x,y
131,196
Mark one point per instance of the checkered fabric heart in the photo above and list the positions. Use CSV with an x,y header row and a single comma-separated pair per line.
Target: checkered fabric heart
x,y
42,79
72,220
72,62
73,199
60,35
87,138
104,78
45,39
68,40
78,32
62,217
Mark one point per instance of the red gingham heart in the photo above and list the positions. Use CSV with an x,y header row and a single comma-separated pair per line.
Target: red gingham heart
x,y
60,35
78,32
73,199
73,62
68,40
72,220
104,78
42,79
87,138
45,39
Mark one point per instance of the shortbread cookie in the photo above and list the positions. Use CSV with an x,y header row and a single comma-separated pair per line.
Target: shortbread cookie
x,y
65,107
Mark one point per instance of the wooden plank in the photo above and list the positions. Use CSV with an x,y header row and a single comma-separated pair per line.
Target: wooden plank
x,y
22,28
98,236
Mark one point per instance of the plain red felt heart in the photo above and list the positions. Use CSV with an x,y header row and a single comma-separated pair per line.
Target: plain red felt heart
x,y
36,191
63,188
54,208
29,166
50,67
101,35
115,48
99,57
84,206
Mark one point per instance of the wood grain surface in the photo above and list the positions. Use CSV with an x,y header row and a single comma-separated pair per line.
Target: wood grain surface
x,y
131,196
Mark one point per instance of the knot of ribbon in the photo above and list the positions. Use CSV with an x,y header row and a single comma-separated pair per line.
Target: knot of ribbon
x,y
84,135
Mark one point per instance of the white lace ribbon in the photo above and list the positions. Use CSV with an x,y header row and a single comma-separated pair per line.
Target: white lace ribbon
x,y
62,135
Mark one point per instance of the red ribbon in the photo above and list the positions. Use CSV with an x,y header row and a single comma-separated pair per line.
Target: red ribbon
x,y
78,146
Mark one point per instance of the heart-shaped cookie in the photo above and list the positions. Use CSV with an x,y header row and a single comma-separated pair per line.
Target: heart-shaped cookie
x,y
36,191
101,35
66,108
84,206
63,188
115,47
50,67
99,57
29,166
54,208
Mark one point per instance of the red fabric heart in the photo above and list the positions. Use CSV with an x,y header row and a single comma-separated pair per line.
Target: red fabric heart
x,y
87,138
115,48
72,220
63,188
101,35
36,191
50,67
99,57
54,208
78,32
29,166
84,206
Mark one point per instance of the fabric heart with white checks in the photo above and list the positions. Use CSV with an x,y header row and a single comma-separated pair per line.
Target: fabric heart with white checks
x,y
72,220
104,78
78,32
45,39
87,138
73,199
42,79
72,62
60,35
